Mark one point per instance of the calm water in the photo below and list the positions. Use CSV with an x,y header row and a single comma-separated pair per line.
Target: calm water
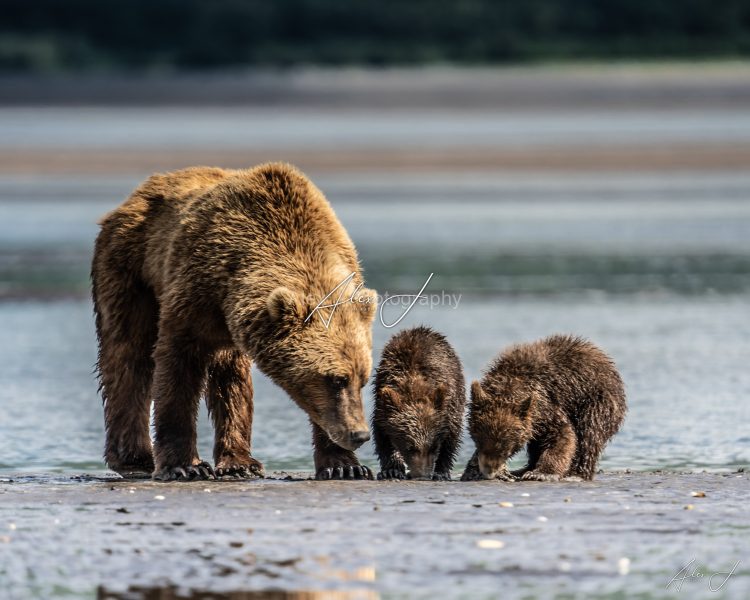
x,y
654,269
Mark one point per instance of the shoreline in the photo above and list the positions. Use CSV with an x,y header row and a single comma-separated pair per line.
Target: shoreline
x,y
623,533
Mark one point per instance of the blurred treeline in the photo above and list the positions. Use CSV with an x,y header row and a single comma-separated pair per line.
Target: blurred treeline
x,y
67,35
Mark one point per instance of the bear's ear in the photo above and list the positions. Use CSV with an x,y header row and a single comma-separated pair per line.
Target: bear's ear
x,y
390,396
478,397
367,300
283,303
523,408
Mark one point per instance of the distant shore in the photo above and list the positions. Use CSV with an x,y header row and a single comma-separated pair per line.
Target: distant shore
x,y
622,534
575,86
328,103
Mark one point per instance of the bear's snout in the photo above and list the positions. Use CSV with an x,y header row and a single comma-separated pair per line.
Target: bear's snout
x,y
359,437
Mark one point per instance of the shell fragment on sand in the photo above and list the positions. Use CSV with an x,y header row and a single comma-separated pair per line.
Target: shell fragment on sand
x,y
489,544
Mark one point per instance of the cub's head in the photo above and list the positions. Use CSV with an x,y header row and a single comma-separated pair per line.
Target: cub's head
x,y
413,413
321,357
499,425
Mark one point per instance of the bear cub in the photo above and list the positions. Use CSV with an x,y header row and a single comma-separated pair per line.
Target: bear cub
x,y
419,406
561,397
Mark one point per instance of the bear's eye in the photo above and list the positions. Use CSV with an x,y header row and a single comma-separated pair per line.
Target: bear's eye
x,y
337,382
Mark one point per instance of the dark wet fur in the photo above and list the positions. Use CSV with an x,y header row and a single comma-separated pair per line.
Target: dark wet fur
x,y
561,397
419,402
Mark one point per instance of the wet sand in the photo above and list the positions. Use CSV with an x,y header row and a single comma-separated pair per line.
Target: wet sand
x,y
622,535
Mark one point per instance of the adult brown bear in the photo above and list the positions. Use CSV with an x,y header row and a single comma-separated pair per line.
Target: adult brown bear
x,y
198,273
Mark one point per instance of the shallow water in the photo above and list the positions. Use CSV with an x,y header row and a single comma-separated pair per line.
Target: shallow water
x,y
661,283
683,360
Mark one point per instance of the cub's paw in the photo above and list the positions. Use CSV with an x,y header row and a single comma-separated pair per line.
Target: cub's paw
x,y
505,476
394,473
343,472
200,470
239,468
441,476
537,476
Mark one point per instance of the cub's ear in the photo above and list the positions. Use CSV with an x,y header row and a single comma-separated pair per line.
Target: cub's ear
x,y
441,393
390,396
283,303
524,407
478,397
367,300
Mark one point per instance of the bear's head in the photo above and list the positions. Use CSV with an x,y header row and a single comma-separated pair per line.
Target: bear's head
x,y
500,424
414,420
321,356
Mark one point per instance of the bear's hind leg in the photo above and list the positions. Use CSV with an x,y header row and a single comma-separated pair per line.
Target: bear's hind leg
x,y
586,459
594,429
230,403
126,326
472,472
335,462
178,381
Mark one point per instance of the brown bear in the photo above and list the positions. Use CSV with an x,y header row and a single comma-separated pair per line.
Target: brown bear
x,y
198,273
561,397
419,406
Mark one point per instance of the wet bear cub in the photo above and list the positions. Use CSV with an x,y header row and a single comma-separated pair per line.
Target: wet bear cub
x,y
419,406
561,397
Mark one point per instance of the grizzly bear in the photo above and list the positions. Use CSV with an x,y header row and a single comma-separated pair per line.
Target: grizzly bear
x,y
419,406
204,270
561,397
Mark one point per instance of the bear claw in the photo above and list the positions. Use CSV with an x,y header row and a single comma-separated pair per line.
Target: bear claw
x,y
396,474
537,476
240,470
200,470
348,472
441,476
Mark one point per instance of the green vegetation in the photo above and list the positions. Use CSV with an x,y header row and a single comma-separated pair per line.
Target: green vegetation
x,y
53,35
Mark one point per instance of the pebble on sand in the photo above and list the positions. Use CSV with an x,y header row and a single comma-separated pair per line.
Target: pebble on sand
x,y
489,544
623,566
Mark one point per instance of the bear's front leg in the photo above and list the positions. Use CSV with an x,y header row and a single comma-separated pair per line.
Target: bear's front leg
x,y
335,462
178,379
229,397
446,456
392,465
554,461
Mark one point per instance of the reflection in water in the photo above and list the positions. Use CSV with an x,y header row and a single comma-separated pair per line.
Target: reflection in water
x,y
330,573
174,593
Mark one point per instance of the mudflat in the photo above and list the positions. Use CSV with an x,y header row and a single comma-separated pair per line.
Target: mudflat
x,y
654,534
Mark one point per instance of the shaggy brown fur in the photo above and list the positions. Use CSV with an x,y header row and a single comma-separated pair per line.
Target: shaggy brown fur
x,y
419,406
561,397
198,272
